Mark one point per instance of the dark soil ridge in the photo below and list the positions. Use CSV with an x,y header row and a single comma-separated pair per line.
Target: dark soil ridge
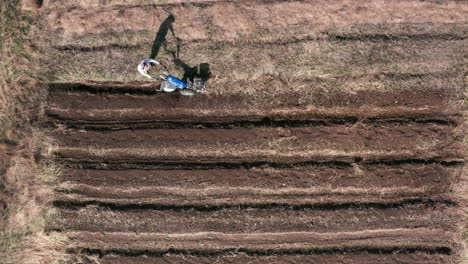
x,y
294,243
119,111
359,139
141,119
99,219
278,42
82,159
120,165
435,176
264,122
381,250
140,87
402,36
76,204
361,258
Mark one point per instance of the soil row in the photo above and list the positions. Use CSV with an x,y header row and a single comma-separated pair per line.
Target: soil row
x,y
240,199
144,119
254,220
118,95
434,177
222,193
242,258
286,243
196,159
112,108
357,138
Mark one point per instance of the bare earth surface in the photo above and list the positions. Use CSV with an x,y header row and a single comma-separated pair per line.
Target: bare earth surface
x,y
330,132
289,182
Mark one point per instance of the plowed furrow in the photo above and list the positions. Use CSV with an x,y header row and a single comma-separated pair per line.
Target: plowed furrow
x,y
97,219
225,158
118,111
431,176
111,106
215,198
378,241
180,115
394,138
136,120
241,258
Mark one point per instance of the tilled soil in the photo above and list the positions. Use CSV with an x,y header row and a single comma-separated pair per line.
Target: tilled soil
x,y
434,176
332,132
242,258
279,219
207,243
135,187
409,137
107,106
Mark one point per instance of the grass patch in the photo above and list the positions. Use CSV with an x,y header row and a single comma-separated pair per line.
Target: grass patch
x,y
18,90
29,210
267,73
233,64
27,184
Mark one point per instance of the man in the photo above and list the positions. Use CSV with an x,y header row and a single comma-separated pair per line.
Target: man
x,y
146,64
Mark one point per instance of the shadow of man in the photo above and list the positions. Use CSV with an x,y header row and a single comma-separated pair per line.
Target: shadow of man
x,y
200,71
160,38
